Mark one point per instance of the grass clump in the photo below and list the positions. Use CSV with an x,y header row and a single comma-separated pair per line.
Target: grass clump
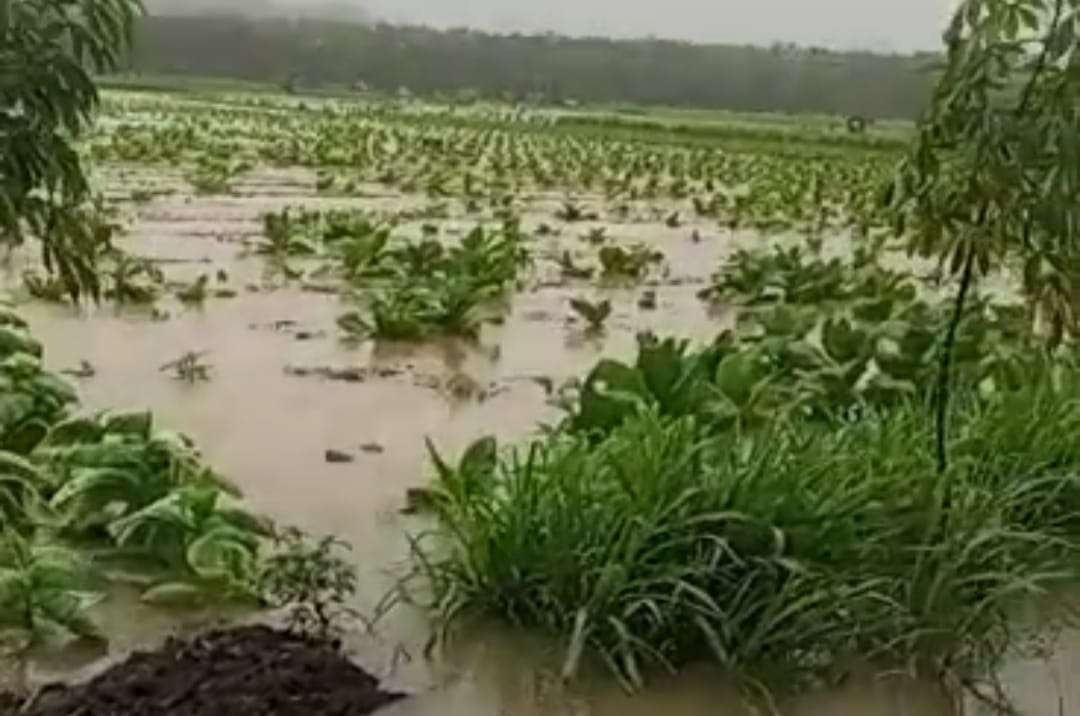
x,y
782,551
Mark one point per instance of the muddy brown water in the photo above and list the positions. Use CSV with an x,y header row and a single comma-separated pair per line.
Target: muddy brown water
x,y
268,431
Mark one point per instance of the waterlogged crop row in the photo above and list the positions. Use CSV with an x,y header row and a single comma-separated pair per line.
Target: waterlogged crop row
x,y
770,502
86,497
483,159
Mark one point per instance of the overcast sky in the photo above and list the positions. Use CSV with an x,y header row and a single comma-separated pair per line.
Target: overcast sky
x,y
887,25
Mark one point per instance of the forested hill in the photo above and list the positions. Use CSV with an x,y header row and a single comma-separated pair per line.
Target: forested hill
x,y
316,52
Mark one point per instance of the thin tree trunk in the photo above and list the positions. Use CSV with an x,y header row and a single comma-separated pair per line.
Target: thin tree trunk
x,y
944,392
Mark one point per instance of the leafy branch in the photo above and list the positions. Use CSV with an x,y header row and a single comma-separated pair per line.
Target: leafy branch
x,y
47,48
992,176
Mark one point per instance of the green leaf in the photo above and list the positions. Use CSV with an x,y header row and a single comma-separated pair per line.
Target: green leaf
x,y
75,431
56,387
481,457
885,390
25,437
248,522
802,356
19,466
785,320
17,494
167,517
443,470
225,553
8,317
843,341
355,324
13,340
212,478
612,392
101,486
594,313
661,365
874,311
1028,17
739,374
135,423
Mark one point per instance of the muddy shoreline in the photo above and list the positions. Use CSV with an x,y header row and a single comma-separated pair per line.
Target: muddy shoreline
x,y
234,672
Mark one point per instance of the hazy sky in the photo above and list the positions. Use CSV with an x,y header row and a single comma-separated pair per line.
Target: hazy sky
x,y
891,25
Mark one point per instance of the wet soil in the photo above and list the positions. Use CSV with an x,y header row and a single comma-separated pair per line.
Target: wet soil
x,y
247,670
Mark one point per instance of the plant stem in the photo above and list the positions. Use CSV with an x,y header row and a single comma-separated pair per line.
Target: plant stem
x,y
1040,63
945,368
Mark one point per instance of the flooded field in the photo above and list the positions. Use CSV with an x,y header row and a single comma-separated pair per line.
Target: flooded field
x,y
268,430
286,390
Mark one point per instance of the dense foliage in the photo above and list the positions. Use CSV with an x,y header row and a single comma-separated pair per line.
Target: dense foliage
x,y
543,67
47,97
781,553
769,502
993,177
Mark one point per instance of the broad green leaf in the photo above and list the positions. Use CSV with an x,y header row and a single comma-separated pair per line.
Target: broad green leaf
x,y
19,466
26,436
786,321
481,457
102,486
661,365
739,374
611,393
8,317
843,341
242,519
15,410
56,387
13,340
16,494
136,423
223,552
20,365
167,516
75,431
874,311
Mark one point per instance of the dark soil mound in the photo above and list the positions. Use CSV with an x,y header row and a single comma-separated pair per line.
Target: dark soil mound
x,y
250,670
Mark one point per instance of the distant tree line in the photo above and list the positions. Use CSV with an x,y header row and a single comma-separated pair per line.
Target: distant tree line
x,y
546,68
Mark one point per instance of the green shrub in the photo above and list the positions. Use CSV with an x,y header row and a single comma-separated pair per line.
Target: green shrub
x,y
783,552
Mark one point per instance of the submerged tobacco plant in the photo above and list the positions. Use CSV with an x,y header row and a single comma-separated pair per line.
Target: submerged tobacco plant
x,y
426,289
594,314
189,367
45,589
